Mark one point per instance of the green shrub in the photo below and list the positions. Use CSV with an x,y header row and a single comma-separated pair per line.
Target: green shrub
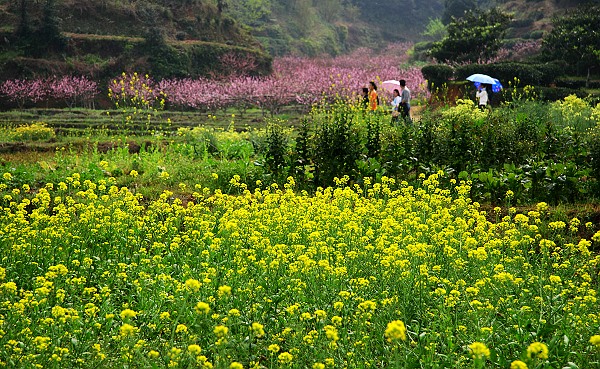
x,y
437,74
593,142
536,35
420,50
337,145
460,138
573,112
277,147
538,74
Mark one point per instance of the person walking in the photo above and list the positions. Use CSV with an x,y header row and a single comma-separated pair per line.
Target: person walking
x,y
373,99
405,101
482,95
365,98
396,106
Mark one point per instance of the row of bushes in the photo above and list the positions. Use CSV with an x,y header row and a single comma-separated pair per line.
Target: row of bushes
x,y
531,150
539,151
537,74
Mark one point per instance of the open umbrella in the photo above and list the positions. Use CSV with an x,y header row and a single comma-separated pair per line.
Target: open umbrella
x,y
496,87
390,85
481,78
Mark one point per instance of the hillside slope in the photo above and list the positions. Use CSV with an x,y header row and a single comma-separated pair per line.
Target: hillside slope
x,y
105,36
308,27
332,27
102,38
533,18
181,20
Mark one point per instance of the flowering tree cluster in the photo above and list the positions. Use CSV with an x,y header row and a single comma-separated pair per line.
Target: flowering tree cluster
x,y
22,91
295,80
73,90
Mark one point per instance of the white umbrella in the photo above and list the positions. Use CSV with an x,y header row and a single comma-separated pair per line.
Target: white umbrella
x,y
481,78
391,85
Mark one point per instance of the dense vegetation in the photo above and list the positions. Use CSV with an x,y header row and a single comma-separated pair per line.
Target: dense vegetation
x,y
381,275
191,224
100,38
348,242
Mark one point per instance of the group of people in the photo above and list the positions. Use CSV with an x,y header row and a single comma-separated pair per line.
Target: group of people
x,y
400,105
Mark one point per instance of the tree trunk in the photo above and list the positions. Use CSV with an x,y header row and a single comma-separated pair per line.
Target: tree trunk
x,y
587,79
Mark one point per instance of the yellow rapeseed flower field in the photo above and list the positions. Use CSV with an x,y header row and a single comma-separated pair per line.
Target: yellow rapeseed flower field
x,y
381,276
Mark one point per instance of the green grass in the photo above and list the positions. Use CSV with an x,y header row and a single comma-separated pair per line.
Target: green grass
x,y
79,121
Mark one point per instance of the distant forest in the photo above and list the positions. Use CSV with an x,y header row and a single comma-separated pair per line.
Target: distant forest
x,y
312,27
191,37
282,27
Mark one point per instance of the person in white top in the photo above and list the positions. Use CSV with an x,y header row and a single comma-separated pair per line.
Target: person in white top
x,y
482,95
396,106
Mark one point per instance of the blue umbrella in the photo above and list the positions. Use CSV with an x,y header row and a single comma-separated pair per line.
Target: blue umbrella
x,y
481,78
497,86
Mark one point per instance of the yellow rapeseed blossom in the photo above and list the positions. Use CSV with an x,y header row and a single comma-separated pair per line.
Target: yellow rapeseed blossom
x,y
202,308
165,315
194,349
554,279
479,350
537,350
379,249
518,364
221,331
396,330
257,329
285,358
42,343
128,314
321,314
193,285
127,330
224,290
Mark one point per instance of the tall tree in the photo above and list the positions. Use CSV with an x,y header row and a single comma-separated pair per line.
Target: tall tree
x,y
49,37
475,36
24,28
575,38
435,30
